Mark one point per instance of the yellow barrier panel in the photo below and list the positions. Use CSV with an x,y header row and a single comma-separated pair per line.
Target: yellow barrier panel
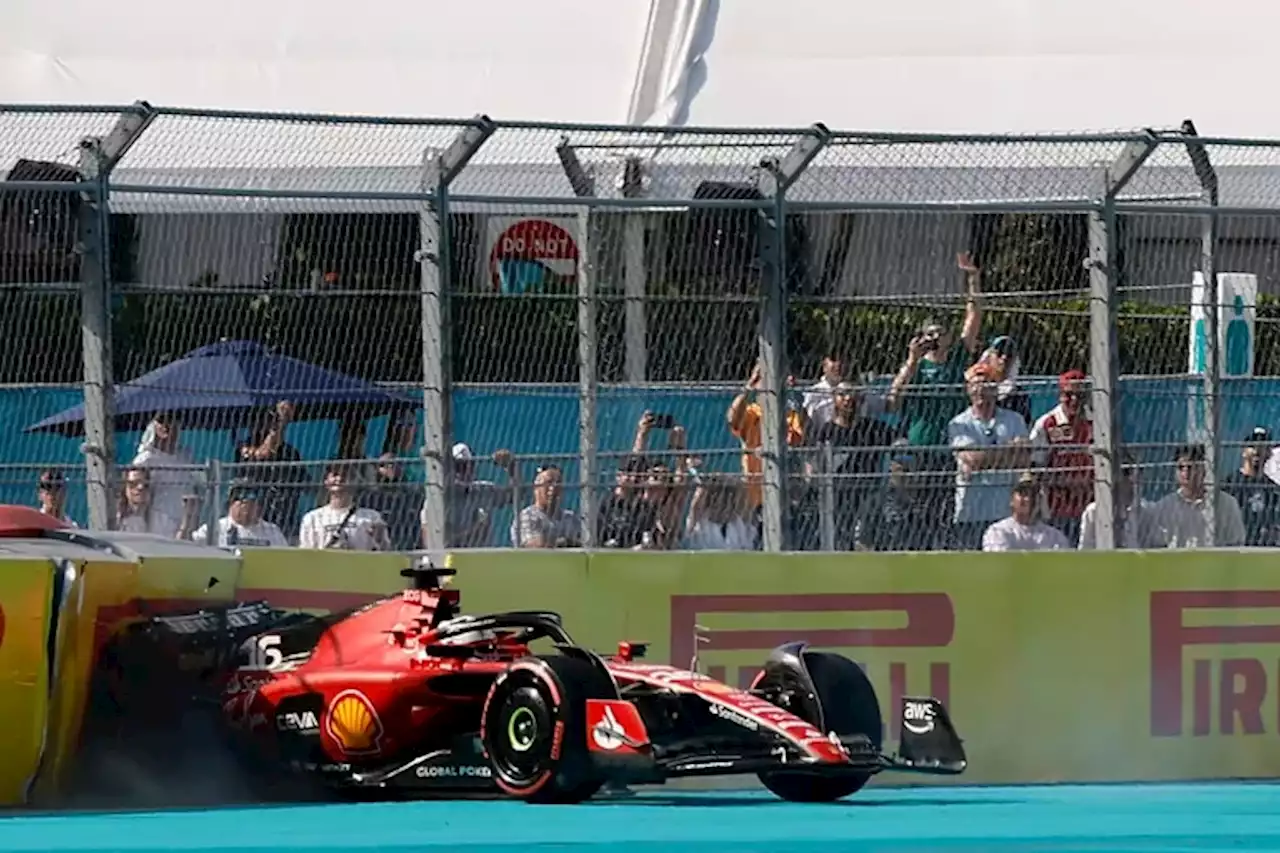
x,y
321,581
182,581
99,602
1120,666
26,588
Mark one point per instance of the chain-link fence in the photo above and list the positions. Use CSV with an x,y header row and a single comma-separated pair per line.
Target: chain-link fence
x,y
522,335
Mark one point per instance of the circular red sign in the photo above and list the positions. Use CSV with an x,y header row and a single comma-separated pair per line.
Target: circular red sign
x,y
533,255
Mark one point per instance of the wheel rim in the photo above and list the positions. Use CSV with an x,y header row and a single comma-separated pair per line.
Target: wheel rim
x,y
522,729
521,752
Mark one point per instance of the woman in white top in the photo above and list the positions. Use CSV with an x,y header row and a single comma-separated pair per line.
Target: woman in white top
x,y
52,495
717,519
137,513
174,483
243,525
341,523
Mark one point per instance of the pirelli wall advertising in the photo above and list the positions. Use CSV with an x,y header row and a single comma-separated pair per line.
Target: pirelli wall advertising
x,y
1122,666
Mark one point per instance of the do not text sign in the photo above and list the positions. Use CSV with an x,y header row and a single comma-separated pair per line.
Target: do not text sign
x,y
532,255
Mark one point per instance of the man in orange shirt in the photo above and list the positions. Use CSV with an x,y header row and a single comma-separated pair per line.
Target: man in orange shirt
x,y
745,417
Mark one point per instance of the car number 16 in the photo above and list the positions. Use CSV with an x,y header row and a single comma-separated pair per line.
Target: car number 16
x,y
265,652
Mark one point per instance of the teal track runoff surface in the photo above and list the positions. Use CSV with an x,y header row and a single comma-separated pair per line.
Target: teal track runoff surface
x,y
1204,818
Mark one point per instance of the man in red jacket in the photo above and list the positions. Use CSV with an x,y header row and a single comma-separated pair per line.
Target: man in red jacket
x,y
1062,437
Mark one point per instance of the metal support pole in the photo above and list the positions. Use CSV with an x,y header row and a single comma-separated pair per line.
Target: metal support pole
x,y
635,281
775,178
635,271
1103,350
1208,178
98,156
828,498
213,500
1104,370
588,379
436,263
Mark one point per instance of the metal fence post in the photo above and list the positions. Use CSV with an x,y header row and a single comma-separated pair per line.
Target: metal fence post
x,y
98,156
1103,356
1208,178
588,379
827,501
435,257
775,178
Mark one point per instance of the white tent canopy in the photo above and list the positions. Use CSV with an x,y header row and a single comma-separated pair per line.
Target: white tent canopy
x,y
983,66
927,65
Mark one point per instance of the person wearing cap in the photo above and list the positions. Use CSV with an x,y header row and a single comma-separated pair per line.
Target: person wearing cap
x,y
989,443
51,494
471,503
1002,357
1061,439
1257,494
858,446
1022,530
1136,531
243,525
1179,518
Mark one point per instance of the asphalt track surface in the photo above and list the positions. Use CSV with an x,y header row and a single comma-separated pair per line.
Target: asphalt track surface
x,y
1204,818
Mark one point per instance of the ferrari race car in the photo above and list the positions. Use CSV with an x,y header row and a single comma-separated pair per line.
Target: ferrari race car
x,y
408,696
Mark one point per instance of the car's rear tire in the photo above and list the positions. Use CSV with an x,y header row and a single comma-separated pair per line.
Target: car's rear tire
x,y
533,728
848,706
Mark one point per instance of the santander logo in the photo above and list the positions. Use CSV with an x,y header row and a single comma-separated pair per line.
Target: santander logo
x,y
809,738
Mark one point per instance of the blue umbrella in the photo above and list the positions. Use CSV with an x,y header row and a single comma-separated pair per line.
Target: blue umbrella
x,y
225,384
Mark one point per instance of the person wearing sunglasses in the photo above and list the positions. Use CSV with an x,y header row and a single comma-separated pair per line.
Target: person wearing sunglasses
x,y
51,493
990,444
1257,494
547,523
1062,437
243,525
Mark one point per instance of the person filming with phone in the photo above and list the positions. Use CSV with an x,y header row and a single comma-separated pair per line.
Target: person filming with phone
x,y
929,389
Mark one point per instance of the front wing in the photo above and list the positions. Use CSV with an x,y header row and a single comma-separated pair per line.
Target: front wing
x,y
622,750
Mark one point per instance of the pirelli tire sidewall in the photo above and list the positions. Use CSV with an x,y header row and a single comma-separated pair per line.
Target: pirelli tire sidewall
x,y
533,728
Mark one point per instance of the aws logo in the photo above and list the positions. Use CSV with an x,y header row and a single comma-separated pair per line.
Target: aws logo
x,y
353,723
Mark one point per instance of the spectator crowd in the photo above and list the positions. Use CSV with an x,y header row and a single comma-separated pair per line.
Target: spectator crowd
x,y
950,457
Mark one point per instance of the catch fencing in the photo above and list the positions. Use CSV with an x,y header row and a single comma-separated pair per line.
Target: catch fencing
x,y
541,287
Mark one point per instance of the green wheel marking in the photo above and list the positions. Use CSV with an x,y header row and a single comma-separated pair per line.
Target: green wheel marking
x,y
522,728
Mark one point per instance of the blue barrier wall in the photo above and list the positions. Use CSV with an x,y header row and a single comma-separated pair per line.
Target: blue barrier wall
x,y
544,420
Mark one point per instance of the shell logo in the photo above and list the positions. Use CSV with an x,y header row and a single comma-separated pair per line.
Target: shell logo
x,y
353,723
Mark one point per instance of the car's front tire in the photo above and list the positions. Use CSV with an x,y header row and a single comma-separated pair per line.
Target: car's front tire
x,y
533,728
847,704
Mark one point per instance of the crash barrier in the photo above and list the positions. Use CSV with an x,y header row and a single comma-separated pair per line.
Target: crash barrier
x,y
1055,667
61,601
1121,666
26,608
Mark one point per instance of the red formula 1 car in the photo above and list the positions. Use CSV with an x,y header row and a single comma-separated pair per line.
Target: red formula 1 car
x,y
406,694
